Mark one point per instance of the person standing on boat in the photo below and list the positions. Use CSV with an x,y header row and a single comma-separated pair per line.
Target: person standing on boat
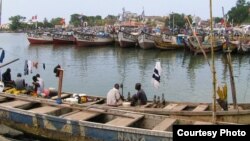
x,y
20,82
114,96
6,78
140,97
35,85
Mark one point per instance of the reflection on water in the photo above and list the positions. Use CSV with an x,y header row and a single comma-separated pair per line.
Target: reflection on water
x,y
94,70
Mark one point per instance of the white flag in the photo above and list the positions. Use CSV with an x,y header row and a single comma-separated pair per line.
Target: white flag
x,y
157,75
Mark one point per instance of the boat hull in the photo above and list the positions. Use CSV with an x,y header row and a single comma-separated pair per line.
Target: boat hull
x,y
63,41
95,42
39,40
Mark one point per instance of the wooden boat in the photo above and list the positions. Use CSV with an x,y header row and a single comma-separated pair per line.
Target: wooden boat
x,y
146,41
40,38
166,45
206,46
186,110
127,39
66,122
64,38
89,40
230,46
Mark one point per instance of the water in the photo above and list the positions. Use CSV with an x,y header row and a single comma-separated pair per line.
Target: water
x,y
94,70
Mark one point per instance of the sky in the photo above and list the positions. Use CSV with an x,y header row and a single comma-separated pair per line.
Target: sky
x,y
64,8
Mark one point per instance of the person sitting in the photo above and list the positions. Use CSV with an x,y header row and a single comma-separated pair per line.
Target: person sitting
x,y
114,97
6,78
20,82
140,97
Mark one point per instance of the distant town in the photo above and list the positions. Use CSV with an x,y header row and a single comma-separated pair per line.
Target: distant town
x,y
238,15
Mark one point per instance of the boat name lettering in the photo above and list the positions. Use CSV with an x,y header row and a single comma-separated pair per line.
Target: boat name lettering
x,y
130,137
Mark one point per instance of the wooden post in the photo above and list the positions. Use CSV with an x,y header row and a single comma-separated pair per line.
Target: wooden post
x,y
232,81
59,101
213,64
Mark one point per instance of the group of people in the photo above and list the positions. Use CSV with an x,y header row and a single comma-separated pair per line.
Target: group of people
x,y
19,82
114,98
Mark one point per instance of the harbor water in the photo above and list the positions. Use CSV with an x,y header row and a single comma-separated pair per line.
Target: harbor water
x,y
94,70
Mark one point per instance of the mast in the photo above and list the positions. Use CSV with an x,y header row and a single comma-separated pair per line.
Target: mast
x,y
213,65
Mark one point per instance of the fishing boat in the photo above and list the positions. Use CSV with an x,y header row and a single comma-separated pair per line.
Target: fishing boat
x,y
127,39
167,43
66,122
185,110
64,38
146,40
89,40
40,38
206,45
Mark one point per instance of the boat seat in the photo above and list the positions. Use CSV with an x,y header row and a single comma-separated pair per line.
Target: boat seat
x,y
146,105
166,124
170,106
44,109
15,103
63,95
83,115
2,98
202,123
200,108
179,107
125,121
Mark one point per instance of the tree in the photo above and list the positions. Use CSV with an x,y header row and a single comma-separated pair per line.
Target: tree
x,y
75,19
56,21
239,13
110,19
47,24
176,20
16,22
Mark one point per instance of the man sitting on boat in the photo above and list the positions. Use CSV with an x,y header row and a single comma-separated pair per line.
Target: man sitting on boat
x,y
20,82
113,97
140,97
6,78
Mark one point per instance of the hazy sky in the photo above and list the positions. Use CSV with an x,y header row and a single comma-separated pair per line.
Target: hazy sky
x,y
65,8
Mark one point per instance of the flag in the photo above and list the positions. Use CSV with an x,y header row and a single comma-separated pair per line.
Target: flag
x,y
34,18
157,75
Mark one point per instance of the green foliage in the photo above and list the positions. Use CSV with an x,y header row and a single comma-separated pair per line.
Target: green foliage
x,y
56,21
110,19
240,13
178,20
16,22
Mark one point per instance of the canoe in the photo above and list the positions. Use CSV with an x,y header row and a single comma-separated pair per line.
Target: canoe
x,y
66,122
206,45
186,110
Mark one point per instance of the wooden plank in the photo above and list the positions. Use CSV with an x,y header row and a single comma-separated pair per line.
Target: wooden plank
x,y
3,98
123,121
64,95
166,124
200,108
15,103
202,123
82,115
44,109
179,107
170,106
